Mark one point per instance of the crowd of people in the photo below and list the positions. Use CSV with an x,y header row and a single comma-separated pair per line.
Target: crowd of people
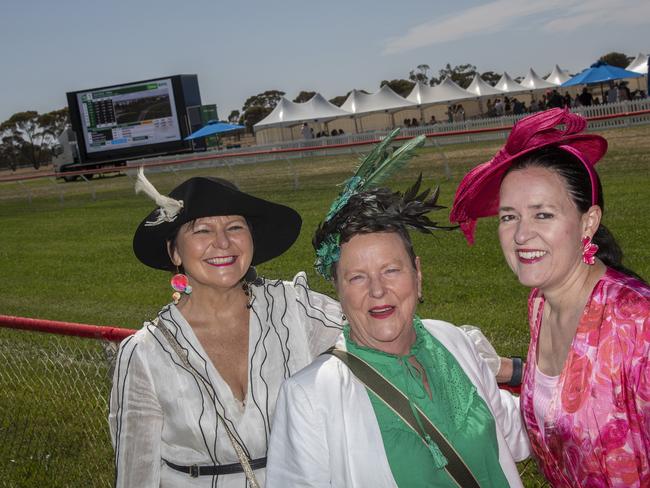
x,y
361,391
307,132
502,106
553,99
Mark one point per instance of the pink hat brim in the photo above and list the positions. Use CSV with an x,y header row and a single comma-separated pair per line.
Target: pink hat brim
x,y
478,193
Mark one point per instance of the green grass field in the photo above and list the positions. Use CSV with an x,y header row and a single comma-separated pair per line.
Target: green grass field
x,y
72,260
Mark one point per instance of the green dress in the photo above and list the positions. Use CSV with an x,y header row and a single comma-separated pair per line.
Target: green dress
x,y
455,408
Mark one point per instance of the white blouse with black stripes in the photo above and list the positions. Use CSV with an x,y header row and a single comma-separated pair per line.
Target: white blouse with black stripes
x,y
159,409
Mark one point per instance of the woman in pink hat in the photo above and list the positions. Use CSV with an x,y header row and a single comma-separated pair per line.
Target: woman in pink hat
x,y
586,388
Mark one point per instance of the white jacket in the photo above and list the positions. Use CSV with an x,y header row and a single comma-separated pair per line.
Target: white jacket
x,y
160,410
325,432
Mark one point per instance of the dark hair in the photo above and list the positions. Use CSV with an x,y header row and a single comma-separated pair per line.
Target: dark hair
x,y
381,210
578,184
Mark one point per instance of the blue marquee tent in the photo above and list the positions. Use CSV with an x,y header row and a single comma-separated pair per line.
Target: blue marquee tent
x,y
600,73
213,127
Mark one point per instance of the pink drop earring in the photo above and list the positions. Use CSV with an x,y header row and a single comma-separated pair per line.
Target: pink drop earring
x,y
180,283
589,250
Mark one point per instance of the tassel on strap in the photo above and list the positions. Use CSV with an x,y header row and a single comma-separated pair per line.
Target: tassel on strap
x,y
439,459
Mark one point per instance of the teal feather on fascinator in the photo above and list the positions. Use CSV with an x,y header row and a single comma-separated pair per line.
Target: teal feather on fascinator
x,y
373,170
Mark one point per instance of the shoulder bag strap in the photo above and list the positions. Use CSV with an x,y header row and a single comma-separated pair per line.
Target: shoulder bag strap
x,y
400,405
182,355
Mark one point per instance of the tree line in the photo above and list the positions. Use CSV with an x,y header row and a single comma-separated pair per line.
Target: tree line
x,y
30,138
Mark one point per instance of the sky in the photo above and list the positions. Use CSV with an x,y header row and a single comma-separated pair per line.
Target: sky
x,y
242,48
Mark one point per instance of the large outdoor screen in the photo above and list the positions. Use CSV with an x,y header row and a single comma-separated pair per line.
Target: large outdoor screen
x,y
126,116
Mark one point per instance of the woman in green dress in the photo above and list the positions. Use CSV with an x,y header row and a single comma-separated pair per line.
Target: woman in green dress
x,y
443,422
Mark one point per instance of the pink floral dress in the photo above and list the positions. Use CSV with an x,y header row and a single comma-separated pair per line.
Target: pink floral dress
x,y
597,428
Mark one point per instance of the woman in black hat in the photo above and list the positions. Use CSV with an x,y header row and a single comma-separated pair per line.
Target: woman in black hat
x,y
194,390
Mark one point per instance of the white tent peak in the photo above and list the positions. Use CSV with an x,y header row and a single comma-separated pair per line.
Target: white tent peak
x,y
533,81
448,82
323,106
558,76
639,64
445,91
384,100
418,93
507,84
287,113
481,88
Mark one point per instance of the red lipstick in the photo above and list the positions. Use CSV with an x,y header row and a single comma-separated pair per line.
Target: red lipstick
x,y
382,311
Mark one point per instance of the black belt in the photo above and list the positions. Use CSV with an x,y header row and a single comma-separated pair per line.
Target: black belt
x,y
195,470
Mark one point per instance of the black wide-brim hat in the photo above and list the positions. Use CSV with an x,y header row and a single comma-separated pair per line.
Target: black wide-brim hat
x,y
274,227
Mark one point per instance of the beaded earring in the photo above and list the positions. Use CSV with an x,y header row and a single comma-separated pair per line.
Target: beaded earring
x,y
180,283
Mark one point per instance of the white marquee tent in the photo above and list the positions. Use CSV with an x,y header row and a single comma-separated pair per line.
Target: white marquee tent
x,y
533,81
384,100
419,93
558,76
507,84
287,113
481,88
639,64
377,111
445,91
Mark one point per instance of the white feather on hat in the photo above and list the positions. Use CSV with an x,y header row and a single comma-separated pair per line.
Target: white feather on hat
x,y
169,208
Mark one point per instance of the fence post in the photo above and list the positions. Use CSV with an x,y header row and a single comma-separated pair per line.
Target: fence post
x,y
92,188
29,192
294,173
61,192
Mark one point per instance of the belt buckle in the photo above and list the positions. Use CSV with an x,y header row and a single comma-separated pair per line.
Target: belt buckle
x,y
194,471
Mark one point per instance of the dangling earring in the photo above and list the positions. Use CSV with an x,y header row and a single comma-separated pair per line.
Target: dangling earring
x,y
343,318
249,277
180,283
420,299
589,250
247,291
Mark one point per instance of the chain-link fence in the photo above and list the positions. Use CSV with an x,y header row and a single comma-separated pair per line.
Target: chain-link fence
x,y
53,411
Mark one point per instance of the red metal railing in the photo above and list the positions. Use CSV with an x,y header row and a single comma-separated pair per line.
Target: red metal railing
x,y
114,334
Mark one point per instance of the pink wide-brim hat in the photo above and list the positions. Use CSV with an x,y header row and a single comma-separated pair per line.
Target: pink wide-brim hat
x,y
478,193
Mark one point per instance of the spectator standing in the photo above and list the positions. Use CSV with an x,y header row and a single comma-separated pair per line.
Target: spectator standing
x,y
623,92
507,106
585,98
490,109
499,107
460,111
612,94
517,107
555,100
